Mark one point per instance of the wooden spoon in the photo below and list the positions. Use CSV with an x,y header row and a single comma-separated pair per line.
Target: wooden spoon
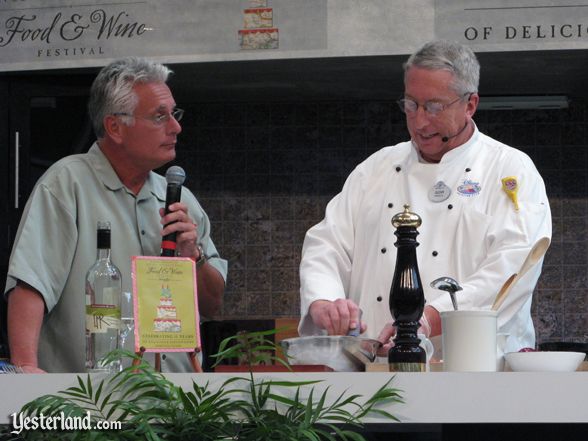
x,y
504,290
534,256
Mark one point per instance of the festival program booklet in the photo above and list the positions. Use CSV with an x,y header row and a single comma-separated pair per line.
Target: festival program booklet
x,y
165,303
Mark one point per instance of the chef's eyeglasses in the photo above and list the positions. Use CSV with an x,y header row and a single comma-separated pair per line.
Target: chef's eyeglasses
x,y
433,108
159,119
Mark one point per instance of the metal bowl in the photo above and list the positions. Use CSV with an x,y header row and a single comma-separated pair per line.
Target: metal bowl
x,y
341,353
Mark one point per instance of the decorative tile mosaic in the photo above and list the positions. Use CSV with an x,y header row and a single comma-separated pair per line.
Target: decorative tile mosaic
x,y
264,172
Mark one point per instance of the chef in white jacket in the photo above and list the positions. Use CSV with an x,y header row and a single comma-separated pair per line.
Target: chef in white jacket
x,y
483,206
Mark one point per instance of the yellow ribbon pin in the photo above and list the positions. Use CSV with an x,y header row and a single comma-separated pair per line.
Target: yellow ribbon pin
x,y
511,187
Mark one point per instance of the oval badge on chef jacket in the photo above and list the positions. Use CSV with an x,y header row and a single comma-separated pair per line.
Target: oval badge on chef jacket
x,y
469,188
439,192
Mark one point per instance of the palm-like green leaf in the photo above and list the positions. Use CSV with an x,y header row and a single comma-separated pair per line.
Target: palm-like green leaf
x,y
154,409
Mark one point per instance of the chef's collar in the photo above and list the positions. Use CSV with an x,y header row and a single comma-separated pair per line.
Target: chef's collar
x,y
111,180
454,153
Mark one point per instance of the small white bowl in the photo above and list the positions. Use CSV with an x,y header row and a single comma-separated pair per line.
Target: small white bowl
x,y
544,361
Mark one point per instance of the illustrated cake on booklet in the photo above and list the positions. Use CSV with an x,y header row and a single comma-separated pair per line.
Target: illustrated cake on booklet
x,y
259,32
167,316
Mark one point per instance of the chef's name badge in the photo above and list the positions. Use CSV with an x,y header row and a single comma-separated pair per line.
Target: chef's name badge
x,y
439,192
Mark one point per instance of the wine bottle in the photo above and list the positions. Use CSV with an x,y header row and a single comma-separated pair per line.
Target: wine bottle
x,y
103,306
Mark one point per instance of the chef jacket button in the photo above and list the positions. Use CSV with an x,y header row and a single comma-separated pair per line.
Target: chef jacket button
x,y
383,250
450,206
398,168
468,170
379,298
163,356
143,232
435,253
390,204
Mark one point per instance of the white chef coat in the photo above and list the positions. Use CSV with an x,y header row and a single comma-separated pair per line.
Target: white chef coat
x,y
475,236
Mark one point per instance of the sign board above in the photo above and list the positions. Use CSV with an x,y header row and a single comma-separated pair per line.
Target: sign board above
x,y
41,34
48,34
505,25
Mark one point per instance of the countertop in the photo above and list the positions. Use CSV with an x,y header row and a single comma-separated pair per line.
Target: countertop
x,y
430,398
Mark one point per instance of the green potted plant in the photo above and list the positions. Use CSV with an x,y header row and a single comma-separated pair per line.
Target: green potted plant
x,y
243,408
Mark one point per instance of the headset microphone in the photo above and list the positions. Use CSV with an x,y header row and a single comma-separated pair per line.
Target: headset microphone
x,y
447,137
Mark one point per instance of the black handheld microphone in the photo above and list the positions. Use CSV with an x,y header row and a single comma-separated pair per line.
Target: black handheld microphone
x,y
448,137
175,177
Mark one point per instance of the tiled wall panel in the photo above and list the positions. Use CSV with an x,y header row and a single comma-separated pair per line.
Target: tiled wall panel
x,y
264,172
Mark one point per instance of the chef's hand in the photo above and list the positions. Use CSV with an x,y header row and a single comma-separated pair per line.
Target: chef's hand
x,y
178,221
385,337
388,332
433,321
337,317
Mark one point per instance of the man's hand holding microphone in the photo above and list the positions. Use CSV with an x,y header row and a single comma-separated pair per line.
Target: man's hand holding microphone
x,y
180,234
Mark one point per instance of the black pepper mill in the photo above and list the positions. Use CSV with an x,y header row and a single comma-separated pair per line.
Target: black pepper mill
x,y
407,300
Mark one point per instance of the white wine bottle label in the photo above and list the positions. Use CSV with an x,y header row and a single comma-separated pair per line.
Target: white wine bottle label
x,y
101,318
